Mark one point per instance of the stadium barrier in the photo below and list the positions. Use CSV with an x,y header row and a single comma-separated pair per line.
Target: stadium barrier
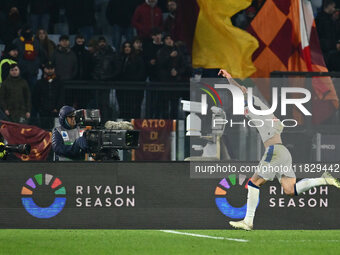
x,y
154,99
148,196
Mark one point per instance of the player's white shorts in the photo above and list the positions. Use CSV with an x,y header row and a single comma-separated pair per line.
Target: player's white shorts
x,y
276,162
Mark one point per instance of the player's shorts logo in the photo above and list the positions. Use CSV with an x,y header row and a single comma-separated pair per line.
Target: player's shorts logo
x,y
222,192
43,196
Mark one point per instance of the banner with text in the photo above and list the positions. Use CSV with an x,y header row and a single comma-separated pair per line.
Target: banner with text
x,y
149,196
154,139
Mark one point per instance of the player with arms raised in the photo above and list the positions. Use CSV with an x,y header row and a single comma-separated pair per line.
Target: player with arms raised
x,y
277,157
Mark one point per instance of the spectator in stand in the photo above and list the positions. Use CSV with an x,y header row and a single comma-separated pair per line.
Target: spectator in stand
x,y
132,65
46,44
10,57
10,27
30,55
326,27
66,63
146,17
183,49
47,97
132,69
119,14
105,62
106,67
170,61
40,14
150,53
92,46
102,43
81,17
81,100
83,58
334,59
170,23
15,97
137,44
171,66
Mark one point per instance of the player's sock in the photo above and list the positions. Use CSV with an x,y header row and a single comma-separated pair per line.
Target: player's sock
x,y
307,184
252,201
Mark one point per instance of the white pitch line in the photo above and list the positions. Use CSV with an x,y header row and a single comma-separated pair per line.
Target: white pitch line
x,y
204,236
306,241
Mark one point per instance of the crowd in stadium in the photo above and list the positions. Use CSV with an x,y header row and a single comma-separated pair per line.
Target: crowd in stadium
x,y
106,40
129,48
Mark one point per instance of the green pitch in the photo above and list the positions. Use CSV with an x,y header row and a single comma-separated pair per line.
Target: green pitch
x,y
177,242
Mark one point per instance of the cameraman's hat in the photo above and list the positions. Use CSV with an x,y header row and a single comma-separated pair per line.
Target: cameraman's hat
x,y
71,114
66,111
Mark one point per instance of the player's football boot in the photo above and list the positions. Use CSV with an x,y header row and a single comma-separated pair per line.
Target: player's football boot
x,y
240,225
330,180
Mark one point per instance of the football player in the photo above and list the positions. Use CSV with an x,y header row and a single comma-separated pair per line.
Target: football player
x,y
277,157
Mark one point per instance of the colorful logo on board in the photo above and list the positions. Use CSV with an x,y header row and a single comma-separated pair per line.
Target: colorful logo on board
x,y
43,196
221,196
211,95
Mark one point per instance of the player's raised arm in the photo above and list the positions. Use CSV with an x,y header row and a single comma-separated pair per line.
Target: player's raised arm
x,y
257,102
227,75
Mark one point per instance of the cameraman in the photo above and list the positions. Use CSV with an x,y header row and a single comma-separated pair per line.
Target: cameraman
x,y
67,140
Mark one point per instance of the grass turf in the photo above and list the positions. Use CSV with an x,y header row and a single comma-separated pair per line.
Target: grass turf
x,y
156,242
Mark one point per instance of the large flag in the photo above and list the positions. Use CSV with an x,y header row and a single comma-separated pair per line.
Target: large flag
x,y
39,139
217,43
288,41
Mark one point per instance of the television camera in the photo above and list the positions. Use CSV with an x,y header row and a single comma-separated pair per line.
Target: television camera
x,y
5,149
214,148
103,142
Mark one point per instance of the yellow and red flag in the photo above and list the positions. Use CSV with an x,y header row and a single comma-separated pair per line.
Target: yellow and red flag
x,y
219,44
288,41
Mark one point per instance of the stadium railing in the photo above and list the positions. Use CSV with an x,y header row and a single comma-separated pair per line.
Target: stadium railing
x,y
307,142
158,98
